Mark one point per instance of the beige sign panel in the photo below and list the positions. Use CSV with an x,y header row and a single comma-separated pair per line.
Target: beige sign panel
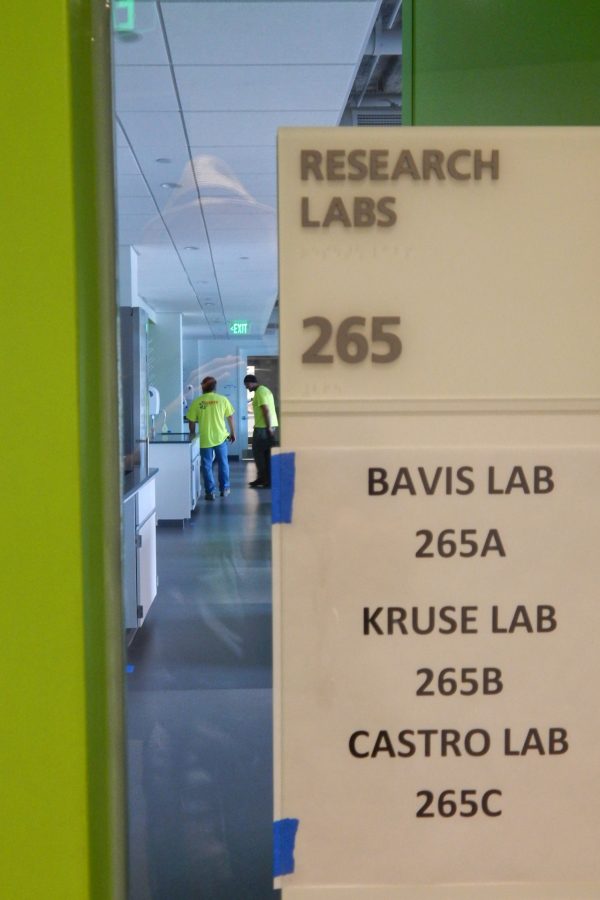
x,y
434,558
437,266
437,671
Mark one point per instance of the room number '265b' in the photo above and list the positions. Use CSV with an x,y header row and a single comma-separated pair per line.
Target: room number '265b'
x,y
354,339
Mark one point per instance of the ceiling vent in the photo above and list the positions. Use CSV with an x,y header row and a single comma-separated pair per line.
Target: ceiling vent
x,y
375,98
378,117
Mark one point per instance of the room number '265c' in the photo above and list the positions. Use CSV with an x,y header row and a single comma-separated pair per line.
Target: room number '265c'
x,y
352,344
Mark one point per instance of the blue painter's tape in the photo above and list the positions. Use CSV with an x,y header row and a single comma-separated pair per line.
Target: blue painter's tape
x,y
283,482
129,669
284,841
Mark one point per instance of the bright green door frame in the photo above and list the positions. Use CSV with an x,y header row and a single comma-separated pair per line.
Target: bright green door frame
x,y
61,666
95,223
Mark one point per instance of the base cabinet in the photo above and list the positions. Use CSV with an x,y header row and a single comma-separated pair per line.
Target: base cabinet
x,y
130,594
140,579
178,479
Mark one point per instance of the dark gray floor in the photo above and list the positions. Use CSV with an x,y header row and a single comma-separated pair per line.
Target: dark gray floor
x,y
199,709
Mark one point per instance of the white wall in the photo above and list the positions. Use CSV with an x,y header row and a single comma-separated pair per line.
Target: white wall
x,y
165,368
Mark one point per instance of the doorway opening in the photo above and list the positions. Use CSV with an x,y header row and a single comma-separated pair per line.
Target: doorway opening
x,y
266,369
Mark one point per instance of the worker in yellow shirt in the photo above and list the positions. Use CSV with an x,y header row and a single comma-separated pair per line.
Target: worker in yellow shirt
x,y
265,430
209,411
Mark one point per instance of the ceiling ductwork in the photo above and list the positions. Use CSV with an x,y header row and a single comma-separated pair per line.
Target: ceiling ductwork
x,y
376,95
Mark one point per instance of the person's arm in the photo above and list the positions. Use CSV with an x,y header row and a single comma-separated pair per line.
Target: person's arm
x,y
231,436
191,417
267,415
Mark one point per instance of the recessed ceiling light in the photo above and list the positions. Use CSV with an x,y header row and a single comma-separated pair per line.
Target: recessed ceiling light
x,y
190,248
244,257
208,304
170,184
163,159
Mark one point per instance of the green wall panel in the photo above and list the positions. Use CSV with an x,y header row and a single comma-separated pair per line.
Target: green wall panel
x,y
61,804
502,62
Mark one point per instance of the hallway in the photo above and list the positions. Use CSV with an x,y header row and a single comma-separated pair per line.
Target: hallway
x,y
199,709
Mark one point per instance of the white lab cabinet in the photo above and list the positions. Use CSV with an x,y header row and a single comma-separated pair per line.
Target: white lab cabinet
x,y
177,458
145,541
140,580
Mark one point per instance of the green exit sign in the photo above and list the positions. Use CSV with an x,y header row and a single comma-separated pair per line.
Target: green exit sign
x,y
239,327
123,15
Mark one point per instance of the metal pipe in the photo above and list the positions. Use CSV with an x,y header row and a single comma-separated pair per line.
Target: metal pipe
x,y
394,15
371,70
384,42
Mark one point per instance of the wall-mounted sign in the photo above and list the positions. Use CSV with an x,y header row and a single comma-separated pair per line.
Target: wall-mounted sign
x,y
440,672
439,265
435,567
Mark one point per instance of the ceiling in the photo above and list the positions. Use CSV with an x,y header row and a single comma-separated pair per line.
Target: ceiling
x,y
200,90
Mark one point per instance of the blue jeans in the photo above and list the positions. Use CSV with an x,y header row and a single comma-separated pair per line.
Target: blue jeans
x,y
207,457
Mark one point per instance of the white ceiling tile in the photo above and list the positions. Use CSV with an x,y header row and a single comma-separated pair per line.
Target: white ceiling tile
x,y
245,209
160,172
244,187
199,266
137,206
167,168
120,138
256,236
176,199
159,133
225,221
135,229
237,260
214,178
161,275
182,215
268,201
263,87
125,162
256,160
144,88
132,186
259,185
253,33
259,128
233,284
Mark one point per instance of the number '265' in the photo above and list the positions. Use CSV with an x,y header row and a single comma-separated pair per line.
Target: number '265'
x,y
351,343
